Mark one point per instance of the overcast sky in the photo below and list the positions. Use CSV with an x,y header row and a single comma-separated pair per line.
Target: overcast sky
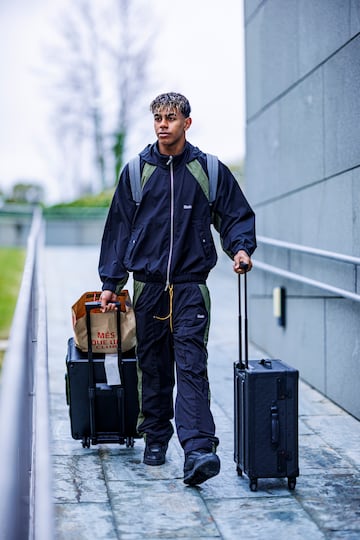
x,y
198,51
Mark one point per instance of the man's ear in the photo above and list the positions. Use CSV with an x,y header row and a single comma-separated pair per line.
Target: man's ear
x,y
187,123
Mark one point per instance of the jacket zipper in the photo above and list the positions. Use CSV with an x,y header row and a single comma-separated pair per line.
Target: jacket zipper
x,y
170,162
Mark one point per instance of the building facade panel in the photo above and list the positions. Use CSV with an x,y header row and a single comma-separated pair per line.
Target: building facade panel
x,y
250,6
355,17
274,150
342,354
324,215
332,29
263,153
275,67
301,134
302,344
342,109
356,211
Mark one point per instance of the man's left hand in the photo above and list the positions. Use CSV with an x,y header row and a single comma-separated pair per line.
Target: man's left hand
x,y
242,262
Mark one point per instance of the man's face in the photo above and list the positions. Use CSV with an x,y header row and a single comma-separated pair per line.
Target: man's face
x,y
170,126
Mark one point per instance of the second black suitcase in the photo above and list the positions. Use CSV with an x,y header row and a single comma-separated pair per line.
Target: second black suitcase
x,y
265,414
100,413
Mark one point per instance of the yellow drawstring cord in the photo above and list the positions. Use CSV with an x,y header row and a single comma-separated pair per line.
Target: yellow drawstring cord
x,y
171,293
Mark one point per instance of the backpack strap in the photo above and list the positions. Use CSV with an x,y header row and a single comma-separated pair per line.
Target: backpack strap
x,y
208,182
213,172
135,178
137,181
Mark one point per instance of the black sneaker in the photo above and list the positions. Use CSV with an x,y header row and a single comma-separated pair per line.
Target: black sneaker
x,y
200,465
154,453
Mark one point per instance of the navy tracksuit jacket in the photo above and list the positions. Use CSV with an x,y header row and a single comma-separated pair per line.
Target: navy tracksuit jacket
x,y
166,242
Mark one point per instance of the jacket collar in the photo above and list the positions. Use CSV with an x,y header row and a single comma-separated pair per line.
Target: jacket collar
x,y
151,155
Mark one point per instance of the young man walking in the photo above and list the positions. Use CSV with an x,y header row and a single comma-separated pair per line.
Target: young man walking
x,y
164,239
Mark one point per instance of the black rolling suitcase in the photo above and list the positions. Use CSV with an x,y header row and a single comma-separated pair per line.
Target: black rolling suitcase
x,y
265,412
100,413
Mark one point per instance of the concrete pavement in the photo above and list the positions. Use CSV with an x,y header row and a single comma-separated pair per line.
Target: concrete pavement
x,y
106,492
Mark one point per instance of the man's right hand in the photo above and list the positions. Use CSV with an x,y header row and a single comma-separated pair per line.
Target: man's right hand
x,y
107,299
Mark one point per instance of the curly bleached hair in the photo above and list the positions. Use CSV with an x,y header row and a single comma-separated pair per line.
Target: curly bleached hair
x,y
171,101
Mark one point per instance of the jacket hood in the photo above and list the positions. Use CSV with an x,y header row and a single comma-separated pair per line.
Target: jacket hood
x,y
151,155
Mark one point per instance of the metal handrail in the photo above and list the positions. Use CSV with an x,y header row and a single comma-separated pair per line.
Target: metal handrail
x,y
302,279
307,281
309,250
26,502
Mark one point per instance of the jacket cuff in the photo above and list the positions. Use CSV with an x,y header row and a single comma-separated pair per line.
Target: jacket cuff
x,y
120,285
109,285
115,285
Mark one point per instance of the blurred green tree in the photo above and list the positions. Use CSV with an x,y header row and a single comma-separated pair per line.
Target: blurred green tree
x,y
26,192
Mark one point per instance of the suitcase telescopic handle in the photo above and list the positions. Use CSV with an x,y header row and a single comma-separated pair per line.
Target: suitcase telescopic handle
x,y
97,304
243,339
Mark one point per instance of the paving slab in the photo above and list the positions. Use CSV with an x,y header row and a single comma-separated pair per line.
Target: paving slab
x,y
263,519
106,492
87,520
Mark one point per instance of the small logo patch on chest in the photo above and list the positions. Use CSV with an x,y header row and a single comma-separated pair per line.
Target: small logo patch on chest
x,y
187,206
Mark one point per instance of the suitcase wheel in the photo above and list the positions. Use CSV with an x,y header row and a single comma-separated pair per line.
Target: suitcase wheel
x,y
86,442
239,471
253,484
291,483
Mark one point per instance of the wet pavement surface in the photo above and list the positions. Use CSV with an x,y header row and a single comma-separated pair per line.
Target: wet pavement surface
x,y
106,492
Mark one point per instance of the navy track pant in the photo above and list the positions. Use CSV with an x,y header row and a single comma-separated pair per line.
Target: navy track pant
x,y
172,330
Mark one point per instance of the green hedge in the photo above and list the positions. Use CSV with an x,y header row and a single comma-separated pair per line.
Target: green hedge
x,y
12,266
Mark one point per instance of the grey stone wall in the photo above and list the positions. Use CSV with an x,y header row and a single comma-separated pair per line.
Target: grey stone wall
x,y
303,180
15,223
74,232
84,229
